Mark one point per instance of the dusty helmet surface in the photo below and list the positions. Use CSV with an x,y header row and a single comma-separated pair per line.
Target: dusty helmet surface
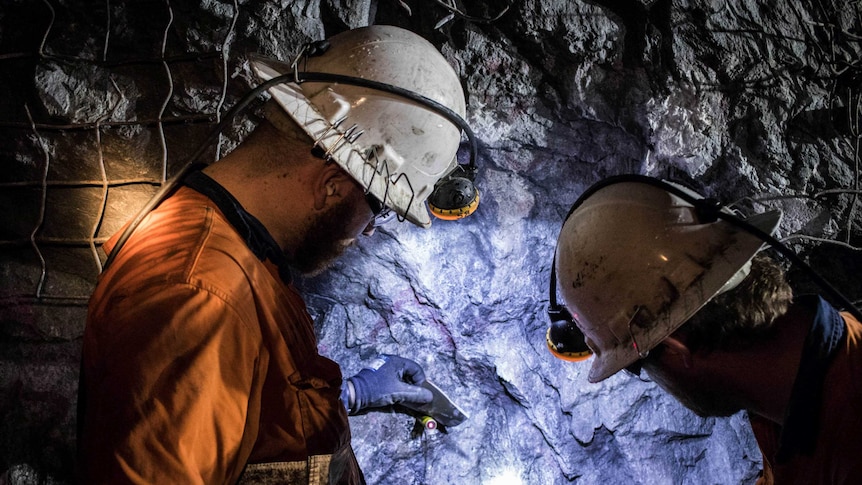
x,y
395,147
634,262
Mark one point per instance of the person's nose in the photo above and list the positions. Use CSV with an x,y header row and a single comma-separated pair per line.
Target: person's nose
x,y
369,229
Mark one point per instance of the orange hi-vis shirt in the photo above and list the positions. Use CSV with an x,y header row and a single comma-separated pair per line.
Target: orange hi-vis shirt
x,y
199,362
820,442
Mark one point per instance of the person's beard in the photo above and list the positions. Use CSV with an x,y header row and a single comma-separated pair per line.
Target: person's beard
x,y
325,240
701,398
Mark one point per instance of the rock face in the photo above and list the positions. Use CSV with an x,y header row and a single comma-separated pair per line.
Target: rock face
x,y
749,103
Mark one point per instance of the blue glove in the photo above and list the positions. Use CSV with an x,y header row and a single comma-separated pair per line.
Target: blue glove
x,y
388,380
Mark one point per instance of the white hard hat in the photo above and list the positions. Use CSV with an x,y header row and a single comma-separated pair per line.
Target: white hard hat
x,y
635,261
397,148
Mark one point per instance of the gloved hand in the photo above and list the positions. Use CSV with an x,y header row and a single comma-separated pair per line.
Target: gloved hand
x,y
389,379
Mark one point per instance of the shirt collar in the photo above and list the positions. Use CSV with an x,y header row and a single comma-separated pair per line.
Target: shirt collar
x,y
253,232
799,431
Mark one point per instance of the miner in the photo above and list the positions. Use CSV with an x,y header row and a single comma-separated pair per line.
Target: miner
x,y
200,362
653,276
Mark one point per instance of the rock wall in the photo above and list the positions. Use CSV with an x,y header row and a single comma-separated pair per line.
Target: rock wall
x,y
752,102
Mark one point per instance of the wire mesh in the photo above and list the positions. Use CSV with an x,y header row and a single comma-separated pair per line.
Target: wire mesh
x,y
838,46
36,130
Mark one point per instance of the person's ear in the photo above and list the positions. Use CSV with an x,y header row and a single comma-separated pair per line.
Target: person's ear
x,y
329,184
676,348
